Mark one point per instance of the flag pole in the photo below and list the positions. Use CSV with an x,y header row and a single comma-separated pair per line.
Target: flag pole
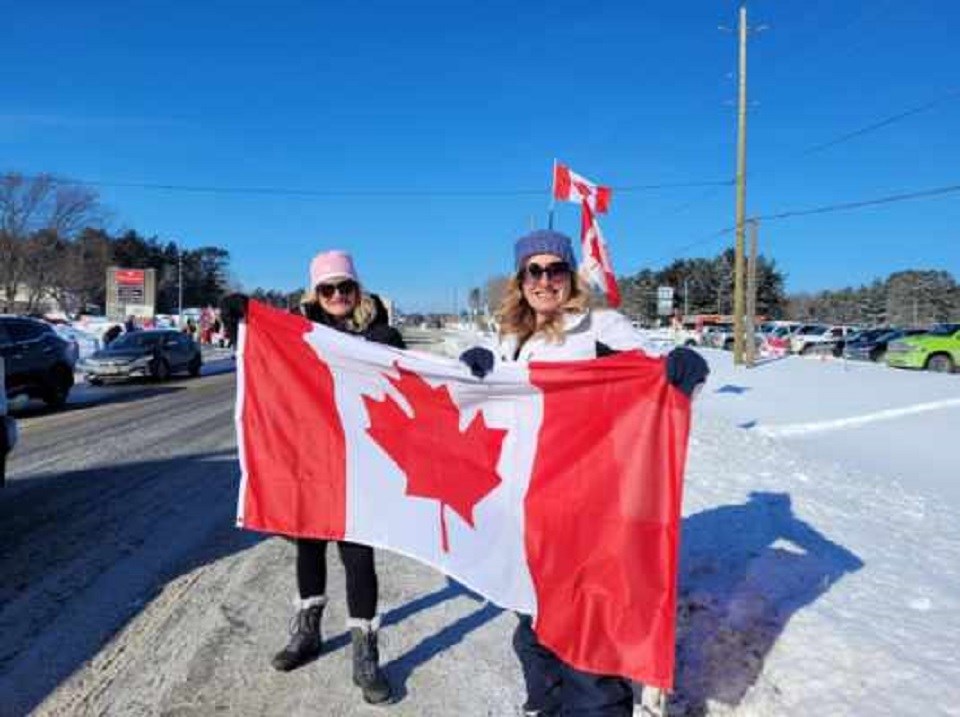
x,y
553,196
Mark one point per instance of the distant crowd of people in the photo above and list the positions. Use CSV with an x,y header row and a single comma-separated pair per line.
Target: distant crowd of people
x,y
207,329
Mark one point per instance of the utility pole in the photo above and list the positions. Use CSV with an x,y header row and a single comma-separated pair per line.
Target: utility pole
x,y
738,307
752,293
686,302
179,286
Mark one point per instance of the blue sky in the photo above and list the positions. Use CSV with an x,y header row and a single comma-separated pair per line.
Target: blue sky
x,y
463,103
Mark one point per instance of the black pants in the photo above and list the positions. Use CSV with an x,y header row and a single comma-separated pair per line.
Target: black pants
x,y
358,564
557,689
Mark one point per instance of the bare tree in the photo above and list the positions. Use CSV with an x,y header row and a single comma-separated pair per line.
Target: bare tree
x,y
82,268
496,288
38,214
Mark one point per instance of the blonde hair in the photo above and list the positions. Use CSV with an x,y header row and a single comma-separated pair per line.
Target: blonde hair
x,y
359,319
517,317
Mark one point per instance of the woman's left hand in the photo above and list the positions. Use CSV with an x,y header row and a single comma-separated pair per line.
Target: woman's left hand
x,y
686,369
479,360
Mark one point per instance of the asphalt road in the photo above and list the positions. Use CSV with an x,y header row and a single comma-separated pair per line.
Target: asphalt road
x,y
127,590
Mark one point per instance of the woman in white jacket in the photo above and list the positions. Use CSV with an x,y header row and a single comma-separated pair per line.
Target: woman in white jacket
x,y
545,316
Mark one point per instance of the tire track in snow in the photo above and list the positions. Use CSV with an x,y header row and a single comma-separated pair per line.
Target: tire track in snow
x,y
802,429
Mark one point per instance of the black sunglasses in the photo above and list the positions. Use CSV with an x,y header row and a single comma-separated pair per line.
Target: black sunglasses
x,y
343,288
554,270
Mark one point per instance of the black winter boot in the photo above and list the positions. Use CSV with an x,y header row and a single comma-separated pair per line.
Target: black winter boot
x,y
367,674
305,637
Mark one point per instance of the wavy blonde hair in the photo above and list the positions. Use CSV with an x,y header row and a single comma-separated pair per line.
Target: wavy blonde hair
x,y
359,319
517,317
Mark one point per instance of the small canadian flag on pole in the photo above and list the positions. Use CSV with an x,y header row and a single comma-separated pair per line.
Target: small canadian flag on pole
x,y
553,489
568,186
595,264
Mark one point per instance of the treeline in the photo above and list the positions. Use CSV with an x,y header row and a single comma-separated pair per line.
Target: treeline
x,y
701,286
53,248
905,298
705,286
289,300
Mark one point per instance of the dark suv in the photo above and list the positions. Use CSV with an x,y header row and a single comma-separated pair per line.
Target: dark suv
x,y
39,363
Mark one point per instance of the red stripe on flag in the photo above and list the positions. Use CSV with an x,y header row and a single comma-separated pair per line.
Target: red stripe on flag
x,y
603,514
293,438
561,182
602,202
591,244
613,290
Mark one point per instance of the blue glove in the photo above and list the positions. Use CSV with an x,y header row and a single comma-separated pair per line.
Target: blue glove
x,y
479,360
686,369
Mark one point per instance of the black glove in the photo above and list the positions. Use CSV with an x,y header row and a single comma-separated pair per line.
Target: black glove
x,y
385,334
479,359
233,309
686,369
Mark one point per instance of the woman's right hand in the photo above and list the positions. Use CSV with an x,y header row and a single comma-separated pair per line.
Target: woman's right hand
x,y
479,360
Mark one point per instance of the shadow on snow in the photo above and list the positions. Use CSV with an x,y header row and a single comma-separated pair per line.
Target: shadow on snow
x,y
744,571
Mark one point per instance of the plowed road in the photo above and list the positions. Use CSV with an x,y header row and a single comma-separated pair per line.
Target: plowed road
x,y
126,589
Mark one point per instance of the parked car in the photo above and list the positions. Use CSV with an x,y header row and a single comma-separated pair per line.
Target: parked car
x,y
777,341
686,334
872,344
936,350
8,429
86,344
156,353
770,328
39,364
820,338
714,335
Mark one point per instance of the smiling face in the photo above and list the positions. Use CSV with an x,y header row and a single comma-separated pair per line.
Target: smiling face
x,y
338,297
546,283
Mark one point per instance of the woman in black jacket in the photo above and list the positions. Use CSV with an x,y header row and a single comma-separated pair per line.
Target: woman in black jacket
x,y
337,300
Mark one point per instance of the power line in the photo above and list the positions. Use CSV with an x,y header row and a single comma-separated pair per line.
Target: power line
x,y
846,206
819,147
829,209
294,192
879,124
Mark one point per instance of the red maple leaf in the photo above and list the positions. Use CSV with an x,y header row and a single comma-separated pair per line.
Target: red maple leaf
x,y
456,468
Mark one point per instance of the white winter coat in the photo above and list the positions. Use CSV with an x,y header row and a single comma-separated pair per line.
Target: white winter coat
x,y
581,334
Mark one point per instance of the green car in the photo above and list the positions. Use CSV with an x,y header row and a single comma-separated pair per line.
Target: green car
x,y
936,350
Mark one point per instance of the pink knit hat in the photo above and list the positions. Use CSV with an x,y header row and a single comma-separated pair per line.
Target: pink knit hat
x,y
331,265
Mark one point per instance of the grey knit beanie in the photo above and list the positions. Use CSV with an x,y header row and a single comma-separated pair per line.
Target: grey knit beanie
x,y
543,241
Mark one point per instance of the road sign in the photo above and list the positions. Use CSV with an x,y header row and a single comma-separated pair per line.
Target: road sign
x,y
664,300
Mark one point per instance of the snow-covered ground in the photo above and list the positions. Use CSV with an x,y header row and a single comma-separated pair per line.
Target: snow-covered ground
x,y
820,569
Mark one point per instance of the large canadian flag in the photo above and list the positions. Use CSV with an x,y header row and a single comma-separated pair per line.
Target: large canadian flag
x,y
552,489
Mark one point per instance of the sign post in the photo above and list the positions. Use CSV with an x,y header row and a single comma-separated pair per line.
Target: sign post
x,y
664,301
130,292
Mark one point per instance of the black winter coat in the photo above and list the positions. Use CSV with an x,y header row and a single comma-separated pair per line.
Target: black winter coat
x,y
378,331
